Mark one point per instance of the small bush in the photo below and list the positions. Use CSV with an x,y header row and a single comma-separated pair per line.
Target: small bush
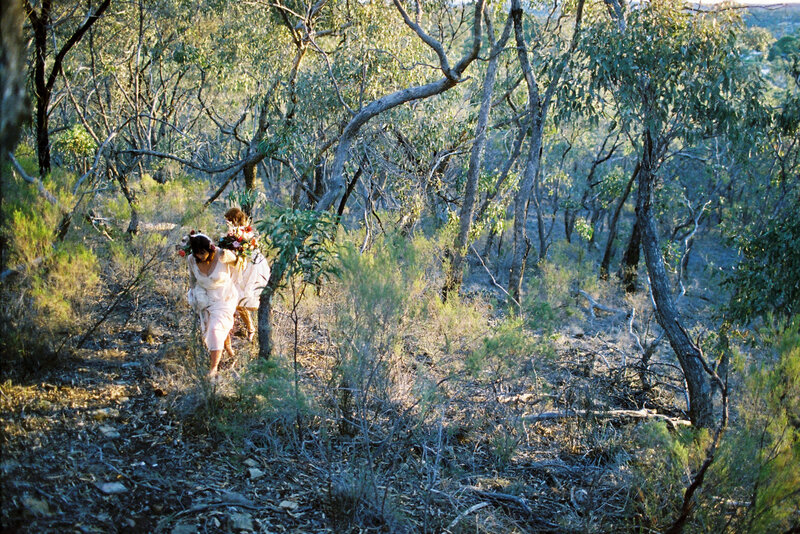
x,y
661,460
550,299
502,351
49,296
757,474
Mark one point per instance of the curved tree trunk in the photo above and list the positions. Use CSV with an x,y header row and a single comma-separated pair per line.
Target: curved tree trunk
x,y
520,242
689,356
516,149
538,106
452,77
43,85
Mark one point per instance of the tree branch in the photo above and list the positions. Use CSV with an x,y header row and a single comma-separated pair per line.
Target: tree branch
x,y
90,19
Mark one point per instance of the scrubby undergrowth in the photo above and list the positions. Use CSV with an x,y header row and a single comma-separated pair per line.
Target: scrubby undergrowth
x,y
391,411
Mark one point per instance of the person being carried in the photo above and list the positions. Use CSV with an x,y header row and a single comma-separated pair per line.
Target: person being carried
x,y
252,273
212,295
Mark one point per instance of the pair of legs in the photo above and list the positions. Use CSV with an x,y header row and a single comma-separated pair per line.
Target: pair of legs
x,y
216,355
244,313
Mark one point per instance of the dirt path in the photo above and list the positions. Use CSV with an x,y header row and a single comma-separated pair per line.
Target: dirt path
x,y
92,446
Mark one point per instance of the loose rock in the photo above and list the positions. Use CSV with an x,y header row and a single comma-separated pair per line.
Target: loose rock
x,y
255,473
241,521
110,488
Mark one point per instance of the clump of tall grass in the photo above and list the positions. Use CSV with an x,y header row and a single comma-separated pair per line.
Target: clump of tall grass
x,y
49,284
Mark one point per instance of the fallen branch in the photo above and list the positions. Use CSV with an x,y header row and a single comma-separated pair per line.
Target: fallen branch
x,y
159,254
503,498
19,269
492,277
633,414
594,304
227,180
464,514
35,181
207,506
157,227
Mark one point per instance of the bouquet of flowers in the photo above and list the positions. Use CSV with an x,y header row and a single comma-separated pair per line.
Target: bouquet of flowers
x,y
241,240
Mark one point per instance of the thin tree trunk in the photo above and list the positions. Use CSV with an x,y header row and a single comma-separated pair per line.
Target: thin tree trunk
x,y
630,260
538,107
42,95
612,225
569,224
266,346
517,148
249,171
455,273
43,88
689,356
520,242
349,190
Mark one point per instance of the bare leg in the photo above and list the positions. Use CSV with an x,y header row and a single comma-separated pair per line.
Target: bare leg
x,y
229,347
216,356
248,323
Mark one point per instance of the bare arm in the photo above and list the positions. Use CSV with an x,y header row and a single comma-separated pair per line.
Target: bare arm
x,y
227,256
192,278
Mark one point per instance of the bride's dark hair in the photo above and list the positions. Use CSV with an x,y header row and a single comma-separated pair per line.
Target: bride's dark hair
x,y
200,243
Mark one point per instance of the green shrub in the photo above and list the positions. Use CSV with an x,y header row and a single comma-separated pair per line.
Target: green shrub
x,y
50,294
550,298
503,350
757,475
75,145
661,461
376,290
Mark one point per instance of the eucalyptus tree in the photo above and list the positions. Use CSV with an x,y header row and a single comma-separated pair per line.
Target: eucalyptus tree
x,y
761,216
538,107
12,76
676,77
454,276
452,76
58,27
13,108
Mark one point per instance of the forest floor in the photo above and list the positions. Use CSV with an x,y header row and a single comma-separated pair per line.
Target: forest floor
x,y
110,441
92,446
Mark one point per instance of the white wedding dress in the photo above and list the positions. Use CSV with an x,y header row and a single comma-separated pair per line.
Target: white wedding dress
x,y
250,277
214,297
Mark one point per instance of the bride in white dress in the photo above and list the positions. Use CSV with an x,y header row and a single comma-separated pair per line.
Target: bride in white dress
x,y
251,276
212,295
